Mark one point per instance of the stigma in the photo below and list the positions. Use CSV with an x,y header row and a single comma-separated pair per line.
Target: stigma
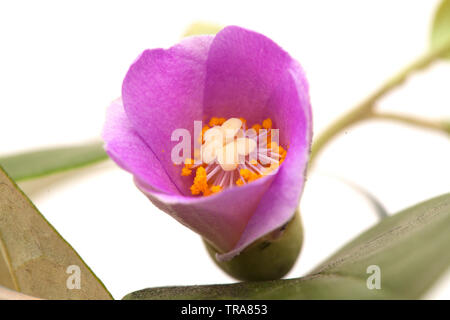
x,y
232,155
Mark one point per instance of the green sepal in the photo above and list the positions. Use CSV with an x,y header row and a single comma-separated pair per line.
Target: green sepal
x,y
269,258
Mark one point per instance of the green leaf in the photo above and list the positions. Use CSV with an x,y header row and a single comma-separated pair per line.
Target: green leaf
x,y
410,248
39,163
34,258
199,28
440,32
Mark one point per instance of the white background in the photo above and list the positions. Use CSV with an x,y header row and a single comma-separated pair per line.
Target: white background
x,y
62,62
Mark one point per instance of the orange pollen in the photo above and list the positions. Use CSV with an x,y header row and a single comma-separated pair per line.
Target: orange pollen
x,y
267,124
216,121
186,172
256,127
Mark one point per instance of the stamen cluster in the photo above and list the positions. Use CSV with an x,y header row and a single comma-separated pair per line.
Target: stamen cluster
x,y
230,155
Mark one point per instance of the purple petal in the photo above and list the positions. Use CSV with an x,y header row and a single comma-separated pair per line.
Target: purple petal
x,y
163,91
293,113
243,69
128,150
219,218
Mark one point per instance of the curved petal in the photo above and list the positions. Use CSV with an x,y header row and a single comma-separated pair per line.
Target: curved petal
x,y
293,114
220,218
243,69
130,152
163,91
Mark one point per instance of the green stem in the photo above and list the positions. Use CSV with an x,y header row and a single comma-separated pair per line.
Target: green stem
x,y
423,123
363,110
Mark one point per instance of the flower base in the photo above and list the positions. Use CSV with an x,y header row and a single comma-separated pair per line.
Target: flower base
x,y
269,258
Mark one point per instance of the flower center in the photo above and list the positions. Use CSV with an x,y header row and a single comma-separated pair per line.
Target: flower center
x,y
233,155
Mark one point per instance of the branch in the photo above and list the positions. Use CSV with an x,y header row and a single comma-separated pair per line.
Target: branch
x,y
363,110
440,126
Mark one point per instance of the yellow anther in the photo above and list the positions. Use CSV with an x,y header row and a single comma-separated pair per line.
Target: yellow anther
x,y
253,177
200,183
215,189
282,152
248,175
195,190
245,173
186,172
267,124
201,172
256,127
239,182
214,122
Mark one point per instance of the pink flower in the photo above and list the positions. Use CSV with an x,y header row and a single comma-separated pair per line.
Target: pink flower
x,y
237,73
